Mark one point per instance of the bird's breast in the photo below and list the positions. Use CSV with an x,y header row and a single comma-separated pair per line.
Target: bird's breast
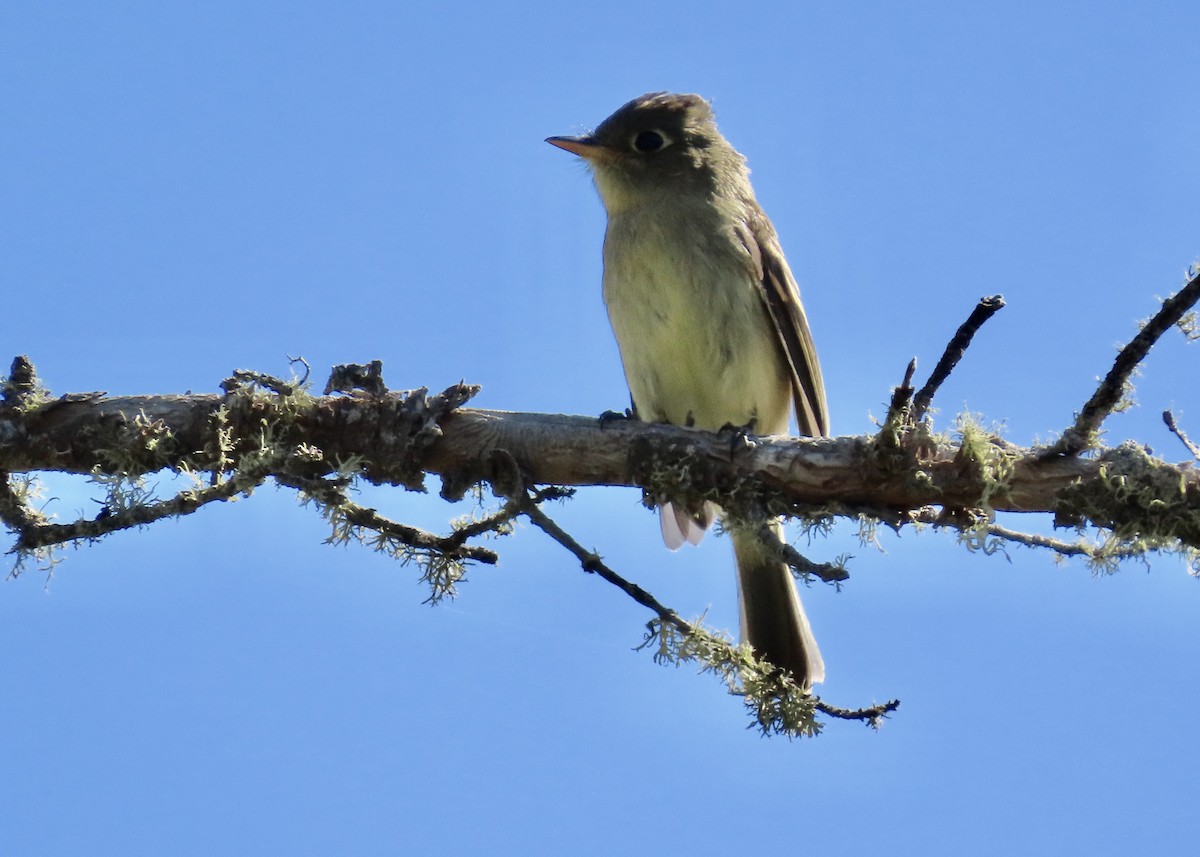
x,y
696,341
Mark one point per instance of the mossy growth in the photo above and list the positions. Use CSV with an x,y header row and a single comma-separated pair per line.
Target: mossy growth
x,y
1139,501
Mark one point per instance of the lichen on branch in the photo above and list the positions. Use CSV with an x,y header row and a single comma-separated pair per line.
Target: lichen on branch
x,y
261,428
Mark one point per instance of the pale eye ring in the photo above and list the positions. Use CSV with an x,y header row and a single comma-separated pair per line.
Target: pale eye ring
x,y
650,141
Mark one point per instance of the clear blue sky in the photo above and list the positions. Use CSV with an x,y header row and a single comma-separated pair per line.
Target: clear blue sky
x,y
186,189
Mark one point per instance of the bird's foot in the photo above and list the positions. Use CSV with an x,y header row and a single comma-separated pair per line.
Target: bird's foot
x,y
616,416
738,437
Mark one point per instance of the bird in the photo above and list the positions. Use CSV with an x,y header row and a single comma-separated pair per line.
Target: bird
x,y
709,325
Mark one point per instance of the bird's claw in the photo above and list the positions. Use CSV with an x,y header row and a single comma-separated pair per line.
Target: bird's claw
x,y
739,437
615,416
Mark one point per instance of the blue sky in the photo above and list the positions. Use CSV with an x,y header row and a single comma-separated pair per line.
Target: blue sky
x,y
186,189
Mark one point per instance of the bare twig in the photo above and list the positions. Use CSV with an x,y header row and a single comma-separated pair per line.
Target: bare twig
x,y
592,563
829,572
293,361
1082,434
1169,419
985,309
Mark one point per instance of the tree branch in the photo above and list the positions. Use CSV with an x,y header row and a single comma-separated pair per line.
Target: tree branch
x,y
805,474
262,427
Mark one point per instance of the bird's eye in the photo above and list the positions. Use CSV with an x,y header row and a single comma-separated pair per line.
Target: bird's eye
x,y
650,141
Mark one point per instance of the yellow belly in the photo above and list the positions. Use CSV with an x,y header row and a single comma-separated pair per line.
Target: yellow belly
x,y
696,340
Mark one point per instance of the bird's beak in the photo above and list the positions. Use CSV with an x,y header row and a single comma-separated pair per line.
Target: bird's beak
x,y
584,146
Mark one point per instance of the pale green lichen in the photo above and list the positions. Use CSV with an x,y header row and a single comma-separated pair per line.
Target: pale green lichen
x,y
777,705
1190,325
20,497
139,445
440,571
253,435
1140,503
987,460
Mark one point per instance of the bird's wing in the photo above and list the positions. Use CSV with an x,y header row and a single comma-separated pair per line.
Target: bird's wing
x,y
782,298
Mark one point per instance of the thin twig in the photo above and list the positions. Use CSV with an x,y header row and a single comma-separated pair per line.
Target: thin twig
x,y
307,369
901,396
1080,436
33,536
829,572
1169,419
511,509
872,715
329,494
592,562
1079,548
985,309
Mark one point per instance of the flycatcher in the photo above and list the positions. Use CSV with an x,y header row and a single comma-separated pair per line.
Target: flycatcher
x,y
708,321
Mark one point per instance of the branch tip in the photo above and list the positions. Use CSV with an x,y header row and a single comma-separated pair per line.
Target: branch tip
x,y
1082,434
955,349
1169,419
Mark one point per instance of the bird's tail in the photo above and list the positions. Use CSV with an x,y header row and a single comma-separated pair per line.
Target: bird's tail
x,y
773,619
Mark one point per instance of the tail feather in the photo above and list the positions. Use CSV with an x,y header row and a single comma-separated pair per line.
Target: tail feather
x,y
773,619
678,525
